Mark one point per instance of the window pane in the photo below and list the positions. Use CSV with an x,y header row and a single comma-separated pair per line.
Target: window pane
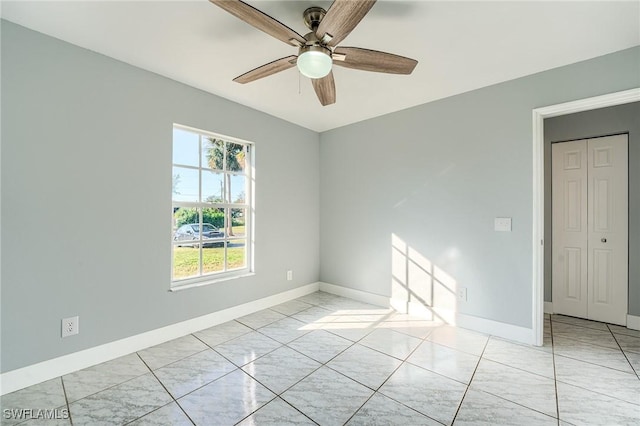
x,y
237,188
236,155
187,223
238,222
213,258
215,218
185,148
186,262
212,187
212,153
236,254
185,184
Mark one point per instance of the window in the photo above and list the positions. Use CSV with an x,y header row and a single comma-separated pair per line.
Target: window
x,y
211,212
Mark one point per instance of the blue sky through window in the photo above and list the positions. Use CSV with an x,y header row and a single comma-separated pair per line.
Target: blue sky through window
x,y
186,152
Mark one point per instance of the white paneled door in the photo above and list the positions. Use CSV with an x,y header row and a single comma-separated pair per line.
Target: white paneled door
x,y
590,228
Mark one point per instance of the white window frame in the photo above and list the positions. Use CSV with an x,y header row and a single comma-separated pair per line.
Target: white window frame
x,y
248,206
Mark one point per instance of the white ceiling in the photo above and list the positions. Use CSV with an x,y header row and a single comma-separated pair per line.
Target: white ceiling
x,y
460,46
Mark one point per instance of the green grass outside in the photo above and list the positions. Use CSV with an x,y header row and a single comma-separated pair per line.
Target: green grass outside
x,y
238,230
185,260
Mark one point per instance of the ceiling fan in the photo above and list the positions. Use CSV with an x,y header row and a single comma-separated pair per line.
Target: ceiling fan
x,y
318,50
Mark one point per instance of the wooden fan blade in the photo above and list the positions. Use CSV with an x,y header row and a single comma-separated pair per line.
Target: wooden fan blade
x,y
341,18
373,60
325,88
261,21
267,69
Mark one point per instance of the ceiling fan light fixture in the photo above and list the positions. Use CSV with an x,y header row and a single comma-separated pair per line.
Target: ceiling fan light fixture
x,y
314,61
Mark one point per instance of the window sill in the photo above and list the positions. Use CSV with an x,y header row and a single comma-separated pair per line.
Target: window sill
x,y
208,281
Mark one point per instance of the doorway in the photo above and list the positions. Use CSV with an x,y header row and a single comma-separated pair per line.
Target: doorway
x,y
539,115
590,231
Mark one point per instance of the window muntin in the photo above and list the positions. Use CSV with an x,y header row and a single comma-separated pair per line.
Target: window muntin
x,y
211,190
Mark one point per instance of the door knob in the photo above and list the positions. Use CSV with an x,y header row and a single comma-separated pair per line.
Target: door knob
x,y
603,240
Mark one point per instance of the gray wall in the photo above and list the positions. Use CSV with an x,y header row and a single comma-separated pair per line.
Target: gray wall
x,y
600,122
436,175
86,178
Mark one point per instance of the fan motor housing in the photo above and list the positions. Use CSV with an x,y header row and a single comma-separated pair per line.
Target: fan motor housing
x,y
312,17
314,48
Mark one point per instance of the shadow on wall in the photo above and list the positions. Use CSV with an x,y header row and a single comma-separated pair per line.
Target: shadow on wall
x,y
419,287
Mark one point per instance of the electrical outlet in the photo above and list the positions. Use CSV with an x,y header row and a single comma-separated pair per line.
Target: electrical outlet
x,y
70,326
462,294
289,275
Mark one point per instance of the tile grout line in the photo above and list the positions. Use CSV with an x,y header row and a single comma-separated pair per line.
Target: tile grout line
x,y
599,393
219,343
578,324
173,362
375,391
322,364
519,369
108,387
242,371
470,380
555,377
66,399
503,397
277,395
632,373
229,372
296,408
597,365
573,338
456,349
597,346
325,364
623,352
255,359
269,402
167,391
389,355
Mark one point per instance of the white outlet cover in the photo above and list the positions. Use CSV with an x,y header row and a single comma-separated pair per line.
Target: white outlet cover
x,y
462,294
70,326
502,224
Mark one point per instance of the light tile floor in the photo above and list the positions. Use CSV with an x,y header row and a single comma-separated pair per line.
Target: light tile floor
x,y
323,359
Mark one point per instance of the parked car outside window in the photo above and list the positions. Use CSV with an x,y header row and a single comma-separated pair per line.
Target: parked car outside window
x,y
190,234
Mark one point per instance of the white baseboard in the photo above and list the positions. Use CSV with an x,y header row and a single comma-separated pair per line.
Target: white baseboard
x,y
496,328
633,322
548,307
482,325
362,296
37,373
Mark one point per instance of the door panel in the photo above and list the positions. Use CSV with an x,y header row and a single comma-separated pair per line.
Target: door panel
x,y
602,201
608,229
573,273
569,228
602,276
573,205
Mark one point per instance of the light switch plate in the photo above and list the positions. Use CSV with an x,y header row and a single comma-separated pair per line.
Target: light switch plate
x,y
502,224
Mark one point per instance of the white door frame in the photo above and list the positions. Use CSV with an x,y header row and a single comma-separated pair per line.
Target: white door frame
x,y
539,114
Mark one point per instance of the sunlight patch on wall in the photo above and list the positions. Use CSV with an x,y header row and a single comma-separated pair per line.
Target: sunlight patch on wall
x,y
418,286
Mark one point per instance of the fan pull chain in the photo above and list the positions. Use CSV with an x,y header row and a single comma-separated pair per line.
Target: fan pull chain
x,y
298,82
